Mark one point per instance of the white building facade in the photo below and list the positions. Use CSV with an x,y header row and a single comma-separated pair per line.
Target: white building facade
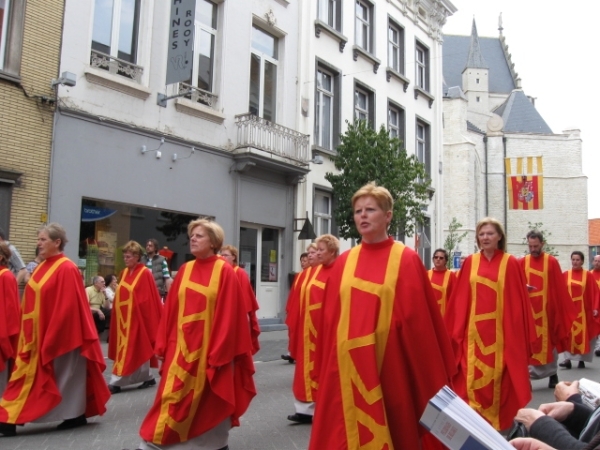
x,y
379,61
488,118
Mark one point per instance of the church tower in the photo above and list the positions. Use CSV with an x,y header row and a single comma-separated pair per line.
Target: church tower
x,y
475,76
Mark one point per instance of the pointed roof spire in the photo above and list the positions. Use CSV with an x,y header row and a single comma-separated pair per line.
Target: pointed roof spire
x,y
475,60
500,27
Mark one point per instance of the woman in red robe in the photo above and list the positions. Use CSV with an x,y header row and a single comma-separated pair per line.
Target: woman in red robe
x,y
230,253
204,342
586,298
490,322
134,322
10,317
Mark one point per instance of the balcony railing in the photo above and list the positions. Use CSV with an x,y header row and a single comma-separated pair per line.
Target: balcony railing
x,y
198,95
116,66
259,133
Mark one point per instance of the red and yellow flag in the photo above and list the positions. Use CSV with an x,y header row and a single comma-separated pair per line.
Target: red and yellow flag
x,y
525,182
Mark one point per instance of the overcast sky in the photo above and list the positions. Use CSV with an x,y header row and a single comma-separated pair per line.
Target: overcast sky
x,y
554,47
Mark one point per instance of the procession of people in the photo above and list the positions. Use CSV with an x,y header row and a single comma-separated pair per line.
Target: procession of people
x,y
358,322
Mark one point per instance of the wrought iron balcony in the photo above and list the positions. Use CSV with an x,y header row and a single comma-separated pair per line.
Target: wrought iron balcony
x,y
198,95
116,66
256,132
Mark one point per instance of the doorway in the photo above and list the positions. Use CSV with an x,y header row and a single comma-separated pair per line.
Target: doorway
x,y
259,256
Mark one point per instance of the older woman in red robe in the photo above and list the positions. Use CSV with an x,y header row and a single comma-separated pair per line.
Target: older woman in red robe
x,y
10,317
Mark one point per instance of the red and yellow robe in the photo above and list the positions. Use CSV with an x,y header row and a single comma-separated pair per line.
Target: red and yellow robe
x,y
55,320
10,317
491,327
204,329
134,321
251,306
382,354
596,276
292,309
442,282
552,308
310,309
585,294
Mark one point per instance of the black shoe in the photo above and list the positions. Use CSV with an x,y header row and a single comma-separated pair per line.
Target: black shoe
x,y
301,418
581,365
114,389
553,381
288,358
72,423
147,384
566,364
597,352
8,429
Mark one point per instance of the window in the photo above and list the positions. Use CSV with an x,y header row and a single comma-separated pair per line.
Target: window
x,y
204,44
364,25
263,74
396,121
364,104
322,212
12,21
324,109
115,33
422,242
423,149
329,12
422,66
395,47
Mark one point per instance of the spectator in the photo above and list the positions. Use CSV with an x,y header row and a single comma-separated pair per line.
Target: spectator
x,y
99,305
159,267
15,264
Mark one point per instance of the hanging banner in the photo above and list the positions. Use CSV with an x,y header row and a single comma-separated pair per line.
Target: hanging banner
x,y
525,182
180,57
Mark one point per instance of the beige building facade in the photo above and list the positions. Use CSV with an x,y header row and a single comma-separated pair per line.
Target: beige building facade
x,y
30,39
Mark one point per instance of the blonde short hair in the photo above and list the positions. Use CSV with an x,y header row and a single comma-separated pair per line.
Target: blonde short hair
x,y
499,229
331,243
312,245
382,196
134,248
213,229
234,252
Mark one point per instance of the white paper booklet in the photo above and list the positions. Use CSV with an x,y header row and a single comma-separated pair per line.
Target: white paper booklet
x,y
458,426
590,392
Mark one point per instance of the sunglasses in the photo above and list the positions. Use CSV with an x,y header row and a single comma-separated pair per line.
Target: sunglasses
x,y
439,257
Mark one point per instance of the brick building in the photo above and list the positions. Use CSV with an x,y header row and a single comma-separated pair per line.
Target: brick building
x,y
30,38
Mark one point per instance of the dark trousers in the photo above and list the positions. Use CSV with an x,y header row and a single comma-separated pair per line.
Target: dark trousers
x,y
101,325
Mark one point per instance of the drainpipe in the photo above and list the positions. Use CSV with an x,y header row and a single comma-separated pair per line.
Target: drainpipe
x,y
485,149
505,195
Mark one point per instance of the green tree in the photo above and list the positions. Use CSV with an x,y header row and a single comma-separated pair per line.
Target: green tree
x,y
453,239
366,155
539,226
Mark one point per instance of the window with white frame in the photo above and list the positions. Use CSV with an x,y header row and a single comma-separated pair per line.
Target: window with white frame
x,y
364,104
263,74
396,47
423,145
12,22
422,66
364,25
205,36
329,13
322,212
324,109
115,32
396,121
